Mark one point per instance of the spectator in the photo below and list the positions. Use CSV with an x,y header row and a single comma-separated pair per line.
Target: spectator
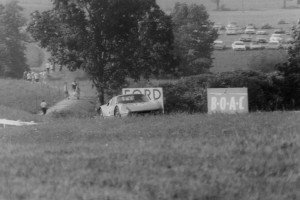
x,y
48,67
25,75
28,76
44,107
66,90
77,91
74,85
36,77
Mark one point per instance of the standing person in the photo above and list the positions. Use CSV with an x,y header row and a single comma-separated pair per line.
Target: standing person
x,y
36,77
48,67
77,91
29,76
32,77
74,85
66,90
25,75
44,107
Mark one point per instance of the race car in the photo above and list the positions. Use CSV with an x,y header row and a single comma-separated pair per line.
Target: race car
x,y
124,105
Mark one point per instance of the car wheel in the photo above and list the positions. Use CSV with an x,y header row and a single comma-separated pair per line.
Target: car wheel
x,y
117,112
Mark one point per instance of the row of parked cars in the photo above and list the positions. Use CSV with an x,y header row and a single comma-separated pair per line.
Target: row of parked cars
x,y
247,40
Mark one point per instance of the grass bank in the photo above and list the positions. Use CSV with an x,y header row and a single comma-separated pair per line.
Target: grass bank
x,y
20,96
180,156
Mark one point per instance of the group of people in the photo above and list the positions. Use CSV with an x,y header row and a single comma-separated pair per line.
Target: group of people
x,y
35,77
75,90
76,93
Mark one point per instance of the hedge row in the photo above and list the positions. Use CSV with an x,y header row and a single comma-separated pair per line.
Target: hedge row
x,y
265,91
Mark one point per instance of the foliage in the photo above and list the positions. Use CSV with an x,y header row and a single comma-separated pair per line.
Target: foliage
x,y
194,36
190,94
12,47
110,40
187,95
266,26
290,70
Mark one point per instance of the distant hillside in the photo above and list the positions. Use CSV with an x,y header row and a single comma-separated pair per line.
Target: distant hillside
x,y
32,5
232,4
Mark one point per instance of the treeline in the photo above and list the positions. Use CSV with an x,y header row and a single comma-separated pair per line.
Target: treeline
x,y
12,37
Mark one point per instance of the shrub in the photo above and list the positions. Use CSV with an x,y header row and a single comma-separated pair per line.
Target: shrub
x,y
190,94
266,26
187,95
262,92
281,21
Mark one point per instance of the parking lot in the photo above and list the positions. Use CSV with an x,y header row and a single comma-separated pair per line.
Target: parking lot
x,y
229,39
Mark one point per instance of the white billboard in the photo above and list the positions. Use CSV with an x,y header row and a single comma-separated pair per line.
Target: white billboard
x,y
227,100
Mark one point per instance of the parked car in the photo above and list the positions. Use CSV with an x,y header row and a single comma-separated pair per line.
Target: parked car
x,y
276,37
279,31
232,31
255,46
250,26
249,31
219,26
261,32
261,40
219,45
246,38
238,45
124,105
274,45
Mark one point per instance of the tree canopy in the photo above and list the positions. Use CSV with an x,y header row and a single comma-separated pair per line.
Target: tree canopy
x,y
12,46
291,72
194,36
110,39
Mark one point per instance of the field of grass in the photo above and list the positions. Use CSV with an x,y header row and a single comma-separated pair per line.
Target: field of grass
x,y
20,96
180,156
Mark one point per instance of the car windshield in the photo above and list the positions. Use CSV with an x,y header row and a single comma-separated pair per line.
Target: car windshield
x,y
134,98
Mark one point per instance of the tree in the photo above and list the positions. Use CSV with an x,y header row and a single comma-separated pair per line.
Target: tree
x,y
217,2
12,48
110,39
194,36
291,73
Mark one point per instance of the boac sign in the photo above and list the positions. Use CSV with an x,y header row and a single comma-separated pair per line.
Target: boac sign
x,y
227,100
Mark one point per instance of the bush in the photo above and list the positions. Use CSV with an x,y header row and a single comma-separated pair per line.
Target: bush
x,y
262,92
187,95
281,21
266,26
190,94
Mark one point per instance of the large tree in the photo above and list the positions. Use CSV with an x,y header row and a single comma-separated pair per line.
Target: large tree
x,y
291,72
110,39
194,35
12,46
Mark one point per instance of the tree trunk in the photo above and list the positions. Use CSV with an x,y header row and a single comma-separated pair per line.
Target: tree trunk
x,y
284,4
101,95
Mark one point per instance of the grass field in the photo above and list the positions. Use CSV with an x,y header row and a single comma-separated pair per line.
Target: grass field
x,y
20,99
180,156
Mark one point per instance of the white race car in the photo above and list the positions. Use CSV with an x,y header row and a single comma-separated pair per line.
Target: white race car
x,y
124,105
